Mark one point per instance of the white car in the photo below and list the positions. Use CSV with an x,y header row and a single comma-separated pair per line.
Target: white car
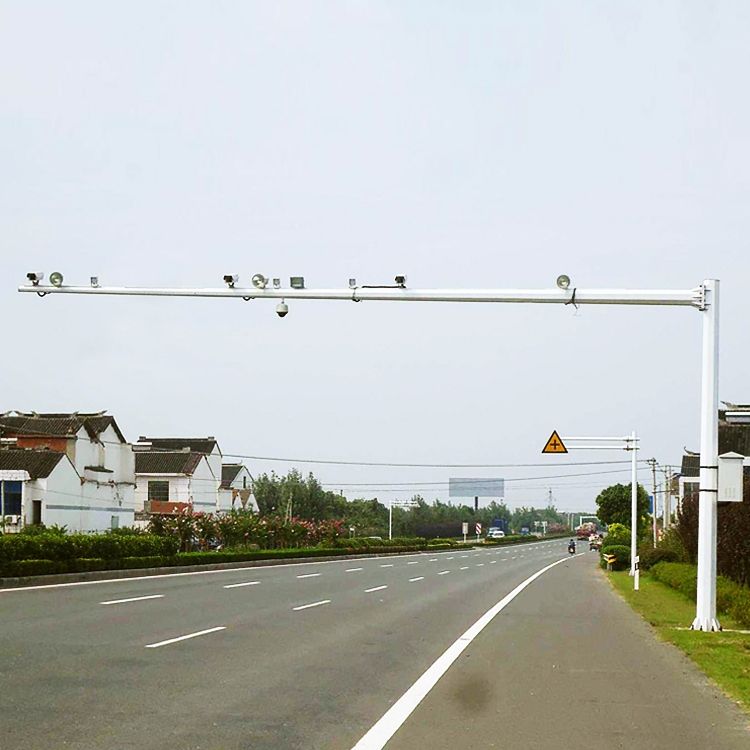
x,y
495,534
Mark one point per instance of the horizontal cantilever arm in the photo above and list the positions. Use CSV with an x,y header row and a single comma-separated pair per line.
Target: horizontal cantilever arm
x,y
683,297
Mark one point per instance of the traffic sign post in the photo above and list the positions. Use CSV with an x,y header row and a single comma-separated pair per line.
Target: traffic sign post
x,y
465,530
704,298
555,443
637,578
479,530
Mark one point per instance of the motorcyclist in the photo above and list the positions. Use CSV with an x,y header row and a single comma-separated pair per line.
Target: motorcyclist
x,y
572,546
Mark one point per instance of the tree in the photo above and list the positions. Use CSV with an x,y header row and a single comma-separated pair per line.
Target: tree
x,y
614,506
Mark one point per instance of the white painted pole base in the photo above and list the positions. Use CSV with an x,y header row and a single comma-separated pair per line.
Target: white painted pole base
x,y
637,581
708,625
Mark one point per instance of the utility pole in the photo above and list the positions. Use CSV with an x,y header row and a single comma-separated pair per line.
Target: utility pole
x,y
652,461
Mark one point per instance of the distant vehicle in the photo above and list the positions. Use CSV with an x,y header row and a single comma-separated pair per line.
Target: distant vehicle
x,y
495,534
585,530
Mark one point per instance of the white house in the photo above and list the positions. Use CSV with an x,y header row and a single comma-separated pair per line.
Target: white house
x,y
237,487
75,470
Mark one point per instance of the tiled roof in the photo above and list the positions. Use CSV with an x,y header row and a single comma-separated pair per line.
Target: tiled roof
x,y
691,466
158,462
197,445
57,425
37,463
228,473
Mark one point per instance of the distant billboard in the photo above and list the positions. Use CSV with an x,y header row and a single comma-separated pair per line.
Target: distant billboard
x,y
478,487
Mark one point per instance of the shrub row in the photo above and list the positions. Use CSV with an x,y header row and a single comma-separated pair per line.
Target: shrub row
x,y
30,567
731,598
62,548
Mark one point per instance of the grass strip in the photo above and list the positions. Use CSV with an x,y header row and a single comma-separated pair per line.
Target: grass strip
x,y
724,657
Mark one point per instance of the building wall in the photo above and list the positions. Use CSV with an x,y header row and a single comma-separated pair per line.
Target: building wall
x,y
204,486
80,507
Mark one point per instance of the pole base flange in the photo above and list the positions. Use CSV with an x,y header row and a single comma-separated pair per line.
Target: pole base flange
x,y
707,624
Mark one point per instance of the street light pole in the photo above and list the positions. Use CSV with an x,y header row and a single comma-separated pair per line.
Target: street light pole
x,y
705,615
704,298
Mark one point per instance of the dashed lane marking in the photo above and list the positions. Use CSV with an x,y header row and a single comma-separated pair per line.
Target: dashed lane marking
x,y
238,585
185,637
314,604
134,599
376,588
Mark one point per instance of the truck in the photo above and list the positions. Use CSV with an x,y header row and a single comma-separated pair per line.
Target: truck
x,y
585,530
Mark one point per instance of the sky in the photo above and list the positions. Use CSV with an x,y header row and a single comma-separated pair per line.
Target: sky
x,y
490,145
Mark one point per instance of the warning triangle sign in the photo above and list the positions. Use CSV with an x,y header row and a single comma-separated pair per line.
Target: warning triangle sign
x,y
554,444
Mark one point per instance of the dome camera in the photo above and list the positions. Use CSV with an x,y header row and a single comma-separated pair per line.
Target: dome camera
x,y
282,309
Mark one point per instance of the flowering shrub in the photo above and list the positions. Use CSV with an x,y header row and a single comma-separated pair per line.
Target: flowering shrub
x,y
238,529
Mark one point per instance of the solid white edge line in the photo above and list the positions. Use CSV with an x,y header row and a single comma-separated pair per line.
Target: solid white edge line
x,y
134,599
376,588
314,604
389,723
238,585
185,637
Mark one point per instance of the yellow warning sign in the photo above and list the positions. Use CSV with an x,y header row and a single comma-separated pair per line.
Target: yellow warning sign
x,y
554,444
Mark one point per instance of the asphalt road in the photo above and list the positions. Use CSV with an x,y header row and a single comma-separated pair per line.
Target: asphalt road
x,y
313,655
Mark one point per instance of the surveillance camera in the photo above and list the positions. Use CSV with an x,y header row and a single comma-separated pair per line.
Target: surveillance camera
x,y
282,309
231,279
35,277
401,281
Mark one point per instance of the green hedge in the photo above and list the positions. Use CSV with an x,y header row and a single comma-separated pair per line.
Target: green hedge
x,y
731,598
622,556
652,556
59,547
19,568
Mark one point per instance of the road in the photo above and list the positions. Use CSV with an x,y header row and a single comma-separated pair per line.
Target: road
x,y
313,655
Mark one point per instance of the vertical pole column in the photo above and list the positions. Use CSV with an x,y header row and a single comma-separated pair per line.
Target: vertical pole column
x,y
705,614
653,469
390,519
633,502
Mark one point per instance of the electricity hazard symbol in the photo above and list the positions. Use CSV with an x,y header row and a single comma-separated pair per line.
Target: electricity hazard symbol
x,y
554,444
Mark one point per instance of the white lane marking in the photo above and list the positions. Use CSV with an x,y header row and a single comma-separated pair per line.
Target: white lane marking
x,y
185,637
238,585
492,562
351,570
464,555
448,558
388,725
309,575
314,604
434,559
465,567
413,562
419,578
512,558
134,599
376,588
480,565
389,565
444,572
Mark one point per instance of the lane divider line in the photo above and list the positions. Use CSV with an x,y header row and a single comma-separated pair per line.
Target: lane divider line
x,y
389,565
465,567
185,637
444,572
389,723
351,570
309,575
419,578
134,599
239,585
314,604
413,562
376,588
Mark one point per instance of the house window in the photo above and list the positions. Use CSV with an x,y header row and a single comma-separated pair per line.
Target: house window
x,y
158,491
10,499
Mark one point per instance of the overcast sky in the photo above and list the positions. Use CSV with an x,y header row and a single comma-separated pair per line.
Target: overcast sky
x,y
473,144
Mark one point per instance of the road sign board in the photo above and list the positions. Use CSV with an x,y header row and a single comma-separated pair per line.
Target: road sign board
x,y
466,528
479,529
554,444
